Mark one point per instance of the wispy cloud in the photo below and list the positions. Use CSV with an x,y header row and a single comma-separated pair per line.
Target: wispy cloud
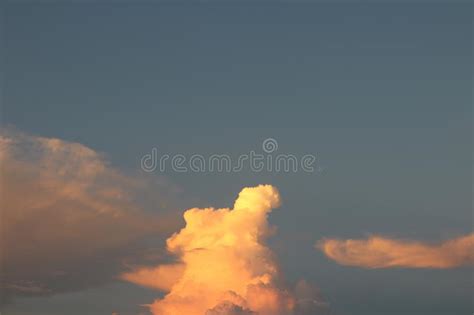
x,y
66,213
381,252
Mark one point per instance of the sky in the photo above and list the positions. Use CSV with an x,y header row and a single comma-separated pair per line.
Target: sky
x,y
378,92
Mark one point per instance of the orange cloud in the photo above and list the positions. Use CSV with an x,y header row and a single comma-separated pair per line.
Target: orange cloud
x,y
380,252
65,212
224,266
161,277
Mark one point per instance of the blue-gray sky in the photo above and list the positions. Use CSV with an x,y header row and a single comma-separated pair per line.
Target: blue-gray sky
x,y
381,93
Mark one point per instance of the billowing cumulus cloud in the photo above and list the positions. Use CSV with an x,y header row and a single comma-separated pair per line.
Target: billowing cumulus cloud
x,y
224,266
67,217
380,252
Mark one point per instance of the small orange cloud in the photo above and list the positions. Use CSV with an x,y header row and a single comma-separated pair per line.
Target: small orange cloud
x,y
161,277
380,252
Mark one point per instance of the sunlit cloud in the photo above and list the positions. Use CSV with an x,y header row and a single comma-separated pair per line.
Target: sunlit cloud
x,y
224,266
381,252
65,212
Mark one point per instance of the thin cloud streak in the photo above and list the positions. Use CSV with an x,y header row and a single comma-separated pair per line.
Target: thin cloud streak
x,y
381,252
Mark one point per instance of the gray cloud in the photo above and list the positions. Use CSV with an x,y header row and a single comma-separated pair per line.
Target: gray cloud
x,y
228,308
68,219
